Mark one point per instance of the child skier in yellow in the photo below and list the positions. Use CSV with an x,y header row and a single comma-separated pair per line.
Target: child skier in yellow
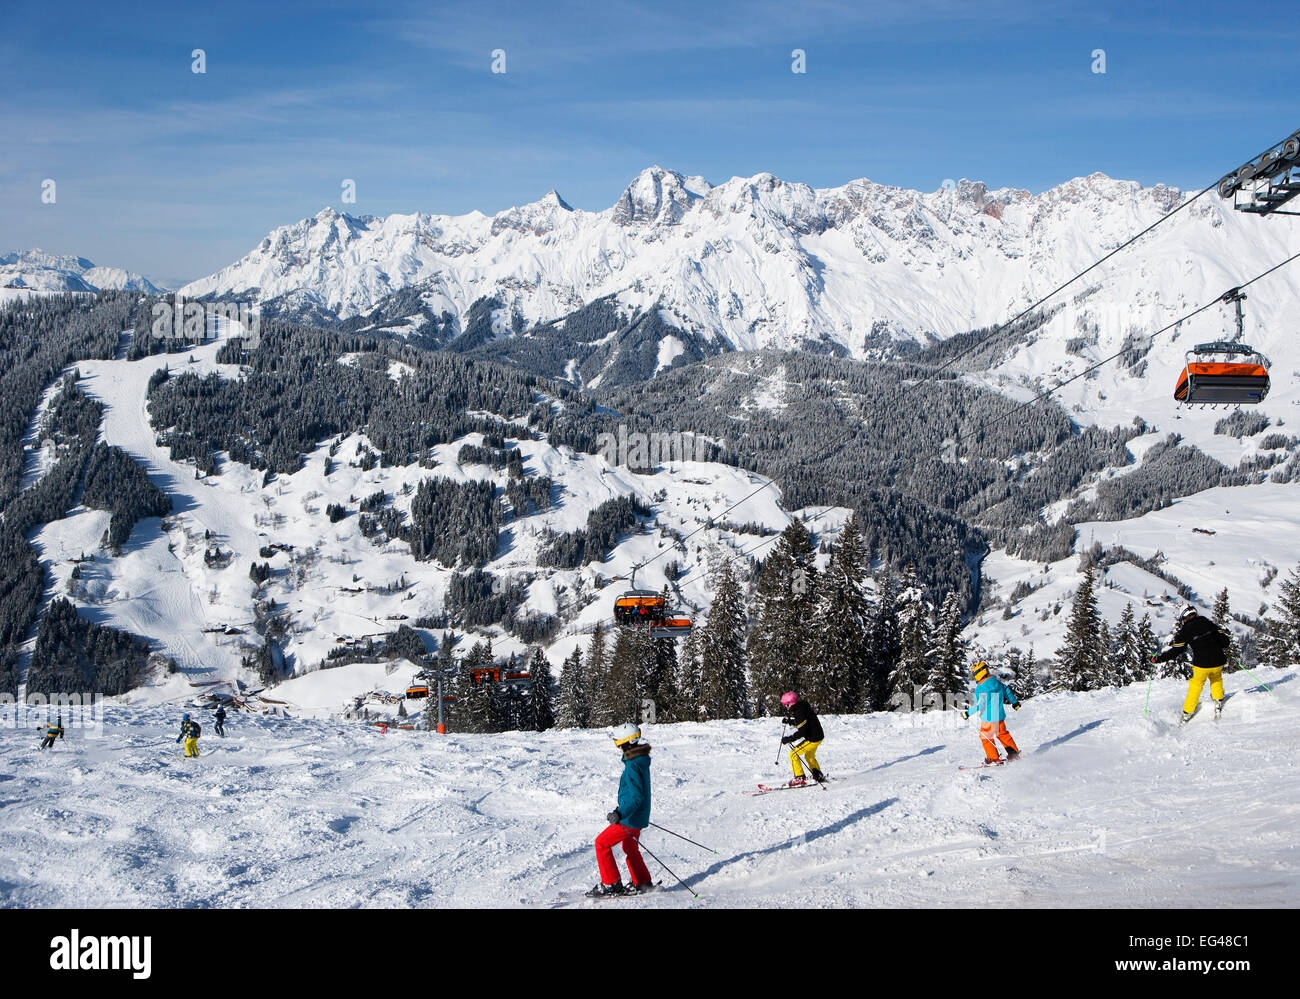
x,y
190,733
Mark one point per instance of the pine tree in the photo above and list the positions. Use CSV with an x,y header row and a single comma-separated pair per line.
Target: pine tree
x,y
1128,662
1222,616
573,710
947,676
1107,676
915,637
722,649
1080,661
686,680
1149,646
666,697
542,691
631,667
599,710
883,646
474,708
786,599
837,674
1281,641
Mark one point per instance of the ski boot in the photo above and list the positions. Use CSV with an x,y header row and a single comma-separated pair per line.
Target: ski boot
x,y
1218,709
1013,754
818,776
799,781
608,891
1187,716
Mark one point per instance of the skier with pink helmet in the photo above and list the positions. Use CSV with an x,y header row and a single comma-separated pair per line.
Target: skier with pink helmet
x,y
804,740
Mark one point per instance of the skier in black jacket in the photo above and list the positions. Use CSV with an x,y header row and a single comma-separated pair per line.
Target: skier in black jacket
x,y
807,734
1209,646
220,727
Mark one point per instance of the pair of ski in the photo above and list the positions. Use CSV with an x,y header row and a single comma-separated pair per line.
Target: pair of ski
x,y
596,895
1002,762
788,786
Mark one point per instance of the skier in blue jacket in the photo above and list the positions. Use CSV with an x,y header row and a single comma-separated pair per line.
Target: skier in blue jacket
x,y
628,819
990,699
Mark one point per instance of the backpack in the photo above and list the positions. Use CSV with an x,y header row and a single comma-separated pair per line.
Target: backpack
x,y
196,730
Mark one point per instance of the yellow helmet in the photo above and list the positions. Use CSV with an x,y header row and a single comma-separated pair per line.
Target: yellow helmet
x,y
981,671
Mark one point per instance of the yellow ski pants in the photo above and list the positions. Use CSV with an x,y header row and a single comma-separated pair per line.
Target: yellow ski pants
x,y
1197,684
808,751
191,747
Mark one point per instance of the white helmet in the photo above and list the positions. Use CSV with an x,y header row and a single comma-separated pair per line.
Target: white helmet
x,y
627,734
1186,612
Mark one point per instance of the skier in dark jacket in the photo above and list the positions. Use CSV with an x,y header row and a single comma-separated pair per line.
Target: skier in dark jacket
x,y
52,732
220,726
1209,647
804,740
627,820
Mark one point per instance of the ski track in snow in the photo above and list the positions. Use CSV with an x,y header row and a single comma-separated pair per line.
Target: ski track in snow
x,y
1108,808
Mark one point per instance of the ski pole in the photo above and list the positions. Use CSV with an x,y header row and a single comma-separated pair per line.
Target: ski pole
x,y
665,867
680,836
780,745
1258,680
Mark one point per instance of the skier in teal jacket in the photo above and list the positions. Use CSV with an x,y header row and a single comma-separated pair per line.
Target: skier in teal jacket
x,y
991,696
628,819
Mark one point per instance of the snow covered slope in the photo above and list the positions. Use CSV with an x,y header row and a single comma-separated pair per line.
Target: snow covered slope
x,y
764,262
41,271
1110,807
332,582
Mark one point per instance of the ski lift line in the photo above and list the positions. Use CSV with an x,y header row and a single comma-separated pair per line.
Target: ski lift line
x,y
1164,329
1025,405
1123,246
1051,294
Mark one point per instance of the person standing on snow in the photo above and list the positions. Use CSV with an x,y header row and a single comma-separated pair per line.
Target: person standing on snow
x,y
220,726
190,733
627,820
806,737
52,731
990,699
1209,644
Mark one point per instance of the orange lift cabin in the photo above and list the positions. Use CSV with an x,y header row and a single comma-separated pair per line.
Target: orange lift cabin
x,y
1227,373
649,609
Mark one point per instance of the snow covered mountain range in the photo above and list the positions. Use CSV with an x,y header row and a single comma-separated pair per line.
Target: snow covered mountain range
x,y
760,262
41,271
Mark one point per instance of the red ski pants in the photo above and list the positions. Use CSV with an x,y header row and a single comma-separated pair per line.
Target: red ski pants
x,y
989,731
605,843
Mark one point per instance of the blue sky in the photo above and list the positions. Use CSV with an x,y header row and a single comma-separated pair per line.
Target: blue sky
x,y
175,174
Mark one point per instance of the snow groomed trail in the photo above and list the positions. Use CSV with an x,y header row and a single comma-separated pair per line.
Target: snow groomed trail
x,y
1108,808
